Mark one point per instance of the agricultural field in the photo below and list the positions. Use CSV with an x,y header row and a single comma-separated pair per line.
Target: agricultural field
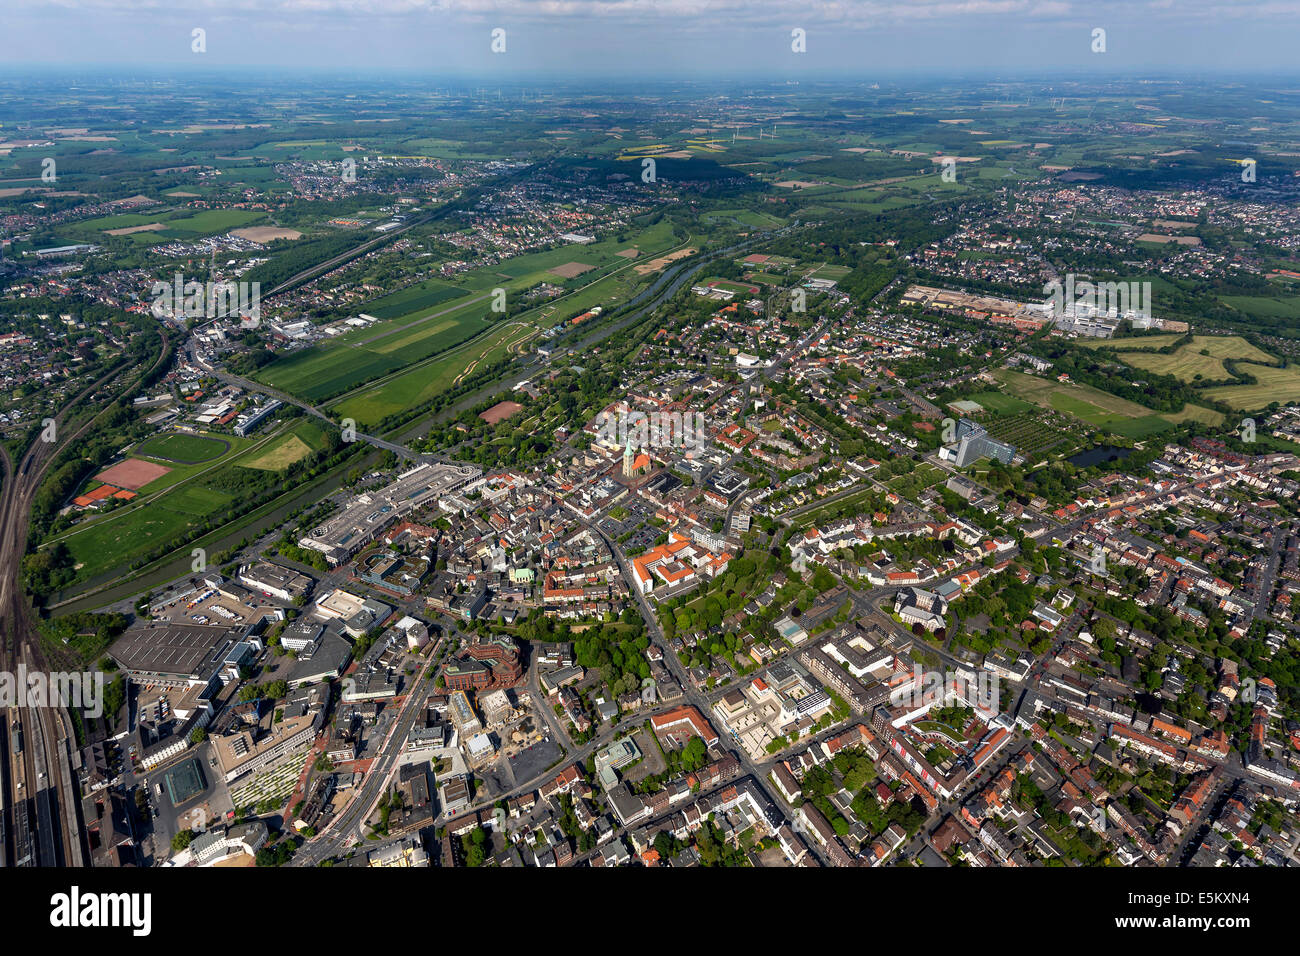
x,y
1201,360
1273,385
1032,436
1189,365
183,223
1274,307
1139,342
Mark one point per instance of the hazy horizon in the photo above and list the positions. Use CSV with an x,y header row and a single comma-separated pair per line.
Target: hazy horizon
x,y
665,39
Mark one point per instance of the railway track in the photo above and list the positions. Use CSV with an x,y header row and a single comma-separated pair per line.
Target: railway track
x,y
41,809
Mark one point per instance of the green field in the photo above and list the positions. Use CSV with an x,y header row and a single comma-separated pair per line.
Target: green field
x,y
727,285
748,218
415,334
1275,307
420,384
321,371
295,445
1085,403
999,403
1190,366
363,355
167,506
212,221
178,223
422,295
184,449
828,271
118,538
1194,413
1138,342
279,456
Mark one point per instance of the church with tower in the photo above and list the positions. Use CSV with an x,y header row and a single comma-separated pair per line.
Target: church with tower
x,y
635,464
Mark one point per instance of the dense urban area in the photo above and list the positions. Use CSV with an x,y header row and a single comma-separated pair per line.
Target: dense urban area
x,y
825,475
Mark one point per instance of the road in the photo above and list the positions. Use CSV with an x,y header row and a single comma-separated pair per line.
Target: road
x,y
465,200
348,828
693,695
48,730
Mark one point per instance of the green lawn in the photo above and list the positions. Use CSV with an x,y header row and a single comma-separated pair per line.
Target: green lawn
x,y
1000,403
411,300
1085,403
115,540
185,449
421,384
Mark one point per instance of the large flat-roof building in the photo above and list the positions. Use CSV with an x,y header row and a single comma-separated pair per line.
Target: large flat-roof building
x,y
275,581
261,757
174,655
356,614
366,516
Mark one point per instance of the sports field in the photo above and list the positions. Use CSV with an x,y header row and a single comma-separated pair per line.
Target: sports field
x,y
173,498
287,449
132,474
727,285
1000,403
117,539
183,449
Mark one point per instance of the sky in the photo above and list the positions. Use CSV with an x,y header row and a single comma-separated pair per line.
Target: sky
x,y
663,40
